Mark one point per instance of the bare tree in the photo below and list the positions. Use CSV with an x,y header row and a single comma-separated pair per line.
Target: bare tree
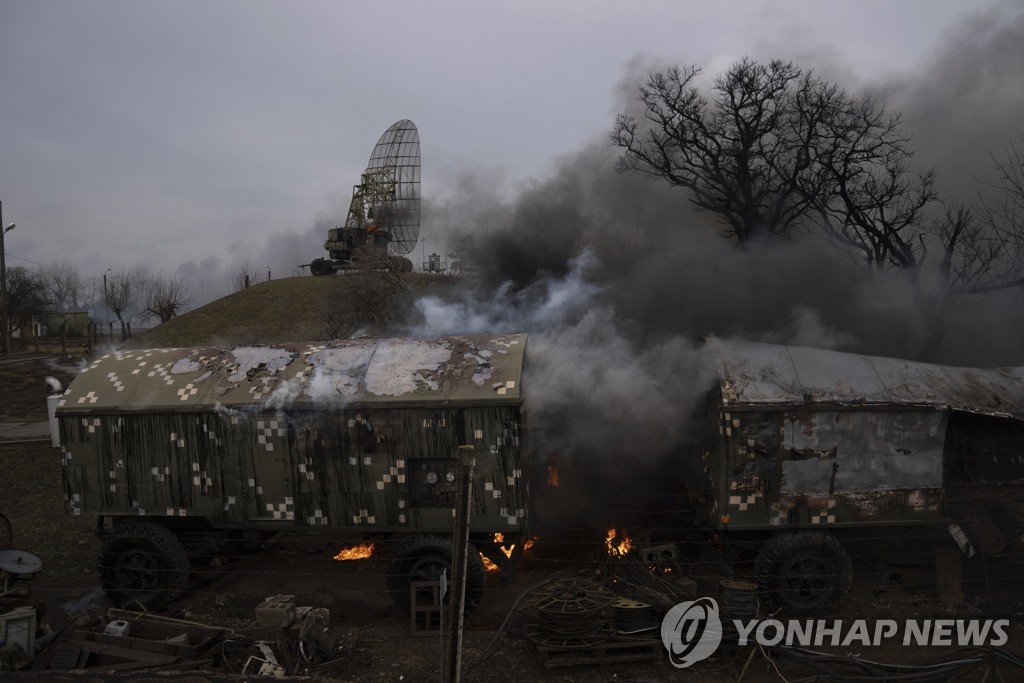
x,y
876,208
867,198
166,296
776,149
63,284
26,298
746,153
245,275
881,212
119,290
1001,212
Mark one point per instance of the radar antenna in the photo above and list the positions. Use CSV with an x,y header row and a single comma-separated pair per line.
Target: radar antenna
x,y
385,207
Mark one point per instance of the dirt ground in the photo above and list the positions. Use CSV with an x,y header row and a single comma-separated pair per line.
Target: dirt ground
x,y
378,644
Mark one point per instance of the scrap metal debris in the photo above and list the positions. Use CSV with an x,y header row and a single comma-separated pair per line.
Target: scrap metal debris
x,y
128,641
286,641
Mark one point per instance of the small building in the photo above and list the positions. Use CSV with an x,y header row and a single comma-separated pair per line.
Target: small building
x,y
74,323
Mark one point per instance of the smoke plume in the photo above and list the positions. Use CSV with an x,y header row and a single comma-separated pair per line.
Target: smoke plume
x,y
616,277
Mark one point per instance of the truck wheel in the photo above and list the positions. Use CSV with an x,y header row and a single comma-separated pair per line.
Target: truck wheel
x,y
143,563
423,559
803,572
319,266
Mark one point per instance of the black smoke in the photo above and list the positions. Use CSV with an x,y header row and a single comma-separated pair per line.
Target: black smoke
x,y
617,277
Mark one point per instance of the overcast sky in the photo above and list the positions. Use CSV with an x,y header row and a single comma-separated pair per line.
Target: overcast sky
x,y
159,133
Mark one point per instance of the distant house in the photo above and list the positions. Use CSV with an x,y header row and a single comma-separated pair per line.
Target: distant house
x,y
76,324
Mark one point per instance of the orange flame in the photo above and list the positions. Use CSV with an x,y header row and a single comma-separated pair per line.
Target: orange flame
x,y
507,549
356,552
499,538
618,543
552,475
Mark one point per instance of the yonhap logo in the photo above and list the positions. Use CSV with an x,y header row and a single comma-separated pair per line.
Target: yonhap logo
x,y
691,631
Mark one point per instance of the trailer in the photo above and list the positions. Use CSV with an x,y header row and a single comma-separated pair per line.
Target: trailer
x,y
181,454
804,447
184,453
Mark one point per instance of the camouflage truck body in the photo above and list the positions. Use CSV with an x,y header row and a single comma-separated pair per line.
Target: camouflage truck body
x,y
807,444
359,434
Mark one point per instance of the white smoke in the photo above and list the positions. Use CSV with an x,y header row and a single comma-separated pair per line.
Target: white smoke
x,y
806,327
588,385
547,304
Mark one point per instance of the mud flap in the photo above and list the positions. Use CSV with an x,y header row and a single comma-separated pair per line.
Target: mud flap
x,y
961,540
974,530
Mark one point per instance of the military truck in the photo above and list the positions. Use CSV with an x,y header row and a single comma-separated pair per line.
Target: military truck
x,y
181,453
804,448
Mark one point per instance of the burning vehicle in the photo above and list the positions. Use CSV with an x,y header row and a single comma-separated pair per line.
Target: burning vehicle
x,y
803,446
180,453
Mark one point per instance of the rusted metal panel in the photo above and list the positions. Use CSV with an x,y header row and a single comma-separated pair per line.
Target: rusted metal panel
x,y
826,467
880,450
808,456
862,450
753,374
808,437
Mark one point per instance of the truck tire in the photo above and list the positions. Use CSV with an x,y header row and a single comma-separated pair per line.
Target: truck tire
x,y
143,564
803,572
423,559
319,266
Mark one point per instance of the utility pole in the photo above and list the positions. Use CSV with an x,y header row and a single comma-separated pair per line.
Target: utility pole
x,y
106,304
5,346
460,553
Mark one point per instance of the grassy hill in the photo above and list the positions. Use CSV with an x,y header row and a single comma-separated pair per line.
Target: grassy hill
x,y
284,310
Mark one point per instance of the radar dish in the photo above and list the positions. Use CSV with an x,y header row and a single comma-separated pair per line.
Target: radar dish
x,y
385,208
388,198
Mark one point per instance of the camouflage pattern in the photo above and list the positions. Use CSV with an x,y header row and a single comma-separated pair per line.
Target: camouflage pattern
x,y
809,438
360,433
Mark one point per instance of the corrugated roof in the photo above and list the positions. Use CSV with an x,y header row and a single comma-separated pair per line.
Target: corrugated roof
x,y
753,373
459,370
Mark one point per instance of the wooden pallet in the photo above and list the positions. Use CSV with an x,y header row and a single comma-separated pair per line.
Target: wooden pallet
x,y
612,651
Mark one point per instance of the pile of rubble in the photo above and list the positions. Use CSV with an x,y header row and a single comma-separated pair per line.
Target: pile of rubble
x,y
286,640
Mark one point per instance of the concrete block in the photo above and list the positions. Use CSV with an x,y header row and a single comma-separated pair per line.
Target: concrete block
x,y
275,614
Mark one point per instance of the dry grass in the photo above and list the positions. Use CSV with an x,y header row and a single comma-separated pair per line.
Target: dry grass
x,y
31,489
277,311
285,310
32,498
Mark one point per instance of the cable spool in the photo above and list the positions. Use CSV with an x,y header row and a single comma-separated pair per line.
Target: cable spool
x,y
739,599
633,616
569,613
